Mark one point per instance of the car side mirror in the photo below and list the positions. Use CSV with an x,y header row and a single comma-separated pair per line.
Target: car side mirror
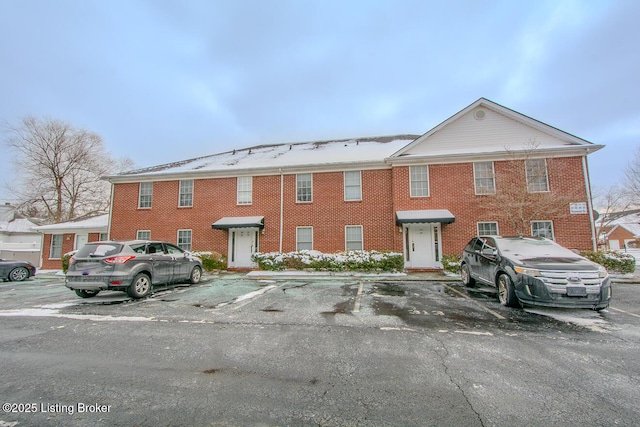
x,y
489,252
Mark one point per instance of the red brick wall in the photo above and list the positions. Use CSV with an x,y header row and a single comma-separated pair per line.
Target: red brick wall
x,y
452,187
67,246
384,192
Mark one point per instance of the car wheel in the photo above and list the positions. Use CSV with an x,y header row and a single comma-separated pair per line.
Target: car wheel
x,y
18,274
83,293
467,280
506,292
196,275
140,287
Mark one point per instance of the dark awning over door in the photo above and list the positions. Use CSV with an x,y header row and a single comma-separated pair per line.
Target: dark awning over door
x,y
422,216
238,222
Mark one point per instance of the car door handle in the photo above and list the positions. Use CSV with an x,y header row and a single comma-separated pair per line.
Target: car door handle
x,y
413,247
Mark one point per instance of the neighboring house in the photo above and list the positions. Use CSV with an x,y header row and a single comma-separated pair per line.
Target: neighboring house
x,y
18,240
621,230
65,237
423,196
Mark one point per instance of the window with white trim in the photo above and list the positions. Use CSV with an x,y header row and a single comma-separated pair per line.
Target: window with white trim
x,y
103,237
353,185
245,190
55,250
304,184
537,177
145,195
184,239
353,238
143,235
542,229
419,177
304,238
186,193
484,178
488,228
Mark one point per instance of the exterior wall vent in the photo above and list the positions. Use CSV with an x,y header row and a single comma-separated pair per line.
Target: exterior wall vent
x,y
479,114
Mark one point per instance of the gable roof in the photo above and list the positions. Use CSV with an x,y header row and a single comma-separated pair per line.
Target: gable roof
x,y
360,153
485,129
93,224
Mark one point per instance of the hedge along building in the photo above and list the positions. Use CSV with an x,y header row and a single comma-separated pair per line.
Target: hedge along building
x,y
485,170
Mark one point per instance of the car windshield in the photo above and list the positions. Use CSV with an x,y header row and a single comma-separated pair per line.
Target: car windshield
x,y
533,248
98,250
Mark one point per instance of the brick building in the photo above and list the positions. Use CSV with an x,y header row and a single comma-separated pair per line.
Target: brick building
x,y
423,196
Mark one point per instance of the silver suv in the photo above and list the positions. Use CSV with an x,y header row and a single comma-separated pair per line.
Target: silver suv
x,y
133,266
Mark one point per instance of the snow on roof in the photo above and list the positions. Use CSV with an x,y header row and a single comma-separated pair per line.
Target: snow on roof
x,y
90,223
18,225
344,151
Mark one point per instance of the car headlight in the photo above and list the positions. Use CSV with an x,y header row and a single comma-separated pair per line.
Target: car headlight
x,y
602,272
528,271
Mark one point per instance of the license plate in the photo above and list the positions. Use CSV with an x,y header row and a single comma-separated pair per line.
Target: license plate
x,y
576,291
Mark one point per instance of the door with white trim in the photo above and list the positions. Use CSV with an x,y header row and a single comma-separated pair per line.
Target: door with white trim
x,y
422,245
81,240
243,242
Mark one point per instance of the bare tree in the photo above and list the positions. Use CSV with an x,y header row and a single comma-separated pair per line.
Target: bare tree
x,y
59,169
521,191
609,204
632,176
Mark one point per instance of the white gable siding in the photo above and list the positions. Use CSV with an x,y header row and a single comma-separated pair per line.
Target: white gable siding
x,y
468,135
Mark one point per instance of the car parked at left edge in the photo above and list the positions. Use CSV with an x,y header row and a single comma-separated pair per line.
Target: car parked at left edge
x,y
16,271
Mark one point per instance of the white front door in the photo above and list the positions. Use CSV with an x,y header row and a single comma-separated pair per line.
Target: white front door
x,y
242,244
614,245
422,245
81,240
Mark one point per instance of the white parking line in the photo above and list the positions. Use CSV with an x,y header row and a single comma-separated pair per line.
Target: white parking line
x,y
488,310
356,304
625,312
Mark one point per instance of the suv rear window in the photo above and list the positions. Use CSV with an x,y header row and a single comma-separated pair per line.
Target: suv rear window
x,y
98,250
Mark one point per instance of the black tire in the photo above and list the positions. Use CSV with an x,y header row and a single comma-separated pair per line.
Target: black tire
x,y
467,280
83,293
196,275
506,291
18,274
140,286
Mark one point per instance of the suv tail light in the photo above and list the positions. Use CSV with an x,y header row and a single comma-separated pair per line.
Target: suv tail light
x,y
119,259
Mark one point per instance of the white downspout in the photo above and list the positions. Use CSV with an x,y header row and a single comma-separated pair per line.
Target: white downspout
x,y
110,211
587,185
281,207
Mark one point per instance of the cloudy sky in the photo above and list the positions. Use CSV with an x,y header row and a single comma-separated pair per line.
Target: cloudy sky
x,y
165,80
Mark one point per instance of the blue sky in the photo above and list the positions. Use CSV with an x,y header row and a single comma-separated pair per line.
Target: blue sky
x,y
165,80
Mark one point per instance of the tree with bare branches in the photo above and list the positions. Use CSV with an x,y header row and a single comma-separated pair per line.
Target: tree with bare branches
x,y
520,192
632,178
58,169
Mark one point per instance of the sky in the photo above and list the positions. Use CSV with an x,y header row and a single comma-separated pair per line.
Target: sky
x,y
167,80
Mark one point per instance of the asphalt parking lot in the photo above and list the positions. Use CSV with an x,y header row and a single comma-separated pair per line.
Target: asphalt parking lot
x,y
343,350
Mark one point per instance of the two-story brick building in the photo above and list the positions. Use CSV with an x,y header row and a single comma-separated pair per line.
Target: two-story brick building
x,y
485,170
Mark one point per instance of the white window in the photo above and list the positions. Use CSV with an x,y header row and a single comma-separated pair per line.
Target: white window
x,y
55,251
103,237
184,239
484,178
186,193
304,187
304,238
145,195
537,179
542,229
353,238
488,229
143,235
419,176
244,190
353,185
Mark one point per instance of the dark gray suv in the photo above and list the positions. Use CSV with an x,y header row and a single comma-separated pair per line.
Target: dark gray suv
x,y
535,271
133,266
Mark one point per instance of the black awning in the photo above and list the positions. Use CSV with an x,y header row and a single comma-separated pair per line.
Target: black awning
x,y
238,222
422,216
